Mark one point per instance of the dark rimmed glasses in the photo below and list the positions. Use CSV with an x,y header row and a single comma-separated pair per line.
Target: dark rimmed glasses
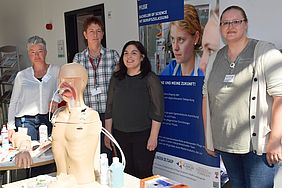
x,y
234,23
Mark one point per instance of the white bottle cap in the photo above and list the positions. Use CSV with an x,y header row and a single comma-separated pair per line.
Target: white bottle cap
x,y
115,159
103,155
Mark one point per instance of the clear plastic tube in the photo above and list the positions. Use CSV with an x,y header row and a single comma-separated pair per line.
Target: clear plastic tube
x,y
50,106
110,136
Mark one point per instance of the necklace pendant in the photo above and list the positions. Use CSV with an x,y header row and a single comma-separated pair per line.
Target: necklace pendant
x,y
232,65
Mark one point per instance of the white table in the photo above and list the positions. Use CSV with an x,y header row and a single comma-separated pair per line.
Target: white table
x,y
44,159
129,182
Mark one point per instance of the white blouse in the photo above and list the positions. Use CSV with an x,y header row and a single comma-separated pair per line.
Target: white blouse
x,y
31,96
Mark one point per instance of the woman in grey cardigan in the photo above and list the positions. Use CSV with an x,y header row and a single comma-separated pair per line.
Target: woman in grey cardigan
x,y
242,104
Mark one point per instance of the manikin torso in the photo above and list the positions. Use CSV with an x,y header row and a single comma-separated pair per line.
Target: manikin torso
x,y
74,141
76,134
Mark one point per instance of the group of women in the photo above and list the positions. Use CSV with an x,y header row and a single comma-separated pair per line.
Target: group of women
x,y
241,104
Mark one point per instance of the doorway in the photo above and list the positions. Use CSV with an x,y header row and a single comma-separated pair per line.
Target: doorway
x,y
74,28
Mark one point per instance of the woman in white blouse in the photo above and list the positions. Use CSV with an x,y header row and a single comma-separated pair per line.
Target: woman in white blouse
x,y
32,92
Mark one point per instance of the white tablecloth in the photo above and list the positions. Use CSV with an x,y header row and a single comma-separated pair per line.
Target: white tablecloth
x,y
129,182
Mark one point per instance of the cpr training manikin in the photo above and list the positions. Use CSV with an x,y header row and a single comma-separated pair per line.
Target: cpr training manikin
x,y
76,132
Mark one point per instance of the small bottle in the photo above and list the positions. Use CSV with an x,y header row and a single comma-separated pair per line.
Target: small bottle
x,y
116,173
5,139
43,133
104,167
22,129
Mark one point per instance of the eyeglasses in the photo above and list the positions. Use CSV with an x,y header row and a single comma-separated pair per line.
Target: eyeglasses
x,y
234,23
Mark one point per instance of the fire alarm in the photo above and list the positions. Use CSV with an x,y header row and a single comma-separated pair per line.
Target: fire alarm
x,y
49,26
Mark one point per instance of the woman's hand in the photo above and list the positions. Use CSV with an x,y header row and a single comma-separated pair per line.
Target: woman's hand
x,y
108,143
273,151
10,134
23,159
108,126
153,139
210,152
152,143
274,147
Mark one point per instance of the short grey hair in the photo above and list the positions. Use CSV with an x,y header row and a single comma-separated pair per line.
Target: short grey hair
x,y
35,40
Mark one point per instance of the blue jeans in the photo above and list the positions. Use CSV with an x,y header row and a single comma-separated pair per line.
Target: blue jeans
x,y
32,124
249,170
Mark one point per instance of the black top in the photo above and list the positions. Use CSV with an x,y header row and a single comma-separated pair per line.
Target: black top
x,y
134,102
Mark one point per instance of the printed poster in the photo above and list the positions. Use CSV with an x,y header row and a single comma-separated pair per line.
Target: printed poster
x,y
181,154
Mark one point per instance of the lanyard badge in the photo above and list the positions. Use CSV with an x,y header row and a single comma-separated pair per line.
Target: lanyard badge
x,y
96,90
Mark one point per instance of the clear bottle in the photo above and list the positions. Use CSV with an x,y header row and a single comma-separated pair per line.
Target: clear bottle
x,y
43,133
116,174
104,167
5,139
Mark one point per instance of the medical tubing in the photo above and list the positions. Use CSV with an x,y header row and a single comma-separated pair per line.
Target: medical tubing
x,y
50,107
110,136
107,133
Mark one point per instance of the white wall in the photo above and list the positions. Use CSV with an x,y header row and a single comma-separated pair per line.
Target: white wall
x,y
18,21
32,15
28,17
264,18
121,27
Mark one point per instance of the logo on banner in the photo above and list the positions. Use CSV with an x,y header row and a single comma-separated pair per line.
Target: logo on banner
x,y
164,159
159,11
185,165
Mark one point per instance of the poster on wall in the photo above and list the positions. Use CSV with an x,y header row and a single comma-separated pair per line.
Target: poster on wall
x,y
156,35
153,16
159,11
181,153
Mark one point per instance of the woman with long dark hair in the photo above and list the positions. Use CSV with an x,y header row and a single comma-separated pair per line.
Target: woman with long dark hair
x,y
135,109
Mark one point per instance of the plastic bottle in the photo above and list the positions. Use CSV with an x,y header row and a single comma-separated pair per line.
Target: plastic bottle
x,y
104,167
43,133
116,174
5,139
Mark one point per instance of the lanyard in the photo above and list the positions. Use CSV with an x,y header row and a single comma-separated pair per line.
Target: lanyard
x,y
95,67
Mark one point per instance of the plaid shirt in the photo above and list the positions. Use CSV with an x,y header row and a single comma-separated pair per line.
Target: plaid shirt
x,y
105,66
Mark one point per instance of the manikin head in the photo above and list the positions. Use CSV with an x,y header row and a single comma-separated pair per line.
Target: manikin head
x,y
72,82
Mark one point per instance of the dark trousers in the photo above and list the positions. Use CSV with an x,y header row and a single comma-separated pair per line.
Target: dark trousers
x,y
139,160
104,149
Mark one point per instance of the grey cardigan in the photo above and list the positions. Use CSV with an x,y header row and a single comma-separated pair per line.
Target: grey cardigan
x,y
267,82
